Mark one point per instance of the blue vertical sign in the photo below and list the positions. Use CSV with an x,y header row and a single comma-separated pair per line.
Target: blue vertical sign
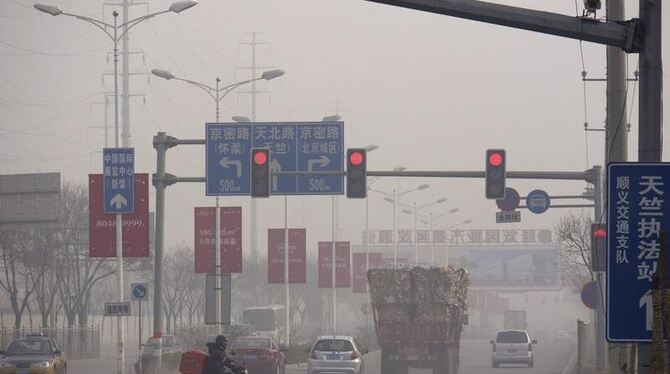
x,y
281,140
228,154
118,179
321,148
636,212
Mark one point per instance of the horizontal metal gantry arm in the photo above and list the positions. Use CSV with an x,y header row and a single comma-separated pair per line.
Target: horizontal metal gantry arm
x,y
617,34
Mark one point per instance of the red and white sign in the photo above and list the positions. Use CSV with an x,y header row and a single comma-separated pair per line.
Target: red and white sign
x,y
231,239
297,262
101,226
359,273
325,264
342,264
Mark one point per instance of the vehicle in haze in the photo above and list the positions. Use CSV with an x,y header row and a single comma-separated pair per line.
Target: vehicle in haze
x,y
268,321
336,354
259,355
419,315
170,344
561,335
32,355
515,320
512,347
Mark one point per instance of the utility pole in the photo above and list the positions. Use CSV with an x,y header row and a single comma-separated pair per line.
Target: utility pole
x,y
125,83
253,68
616,150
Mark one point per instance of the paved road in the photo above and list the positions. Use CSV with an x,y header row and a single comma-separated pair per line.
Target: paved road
x,y
550,358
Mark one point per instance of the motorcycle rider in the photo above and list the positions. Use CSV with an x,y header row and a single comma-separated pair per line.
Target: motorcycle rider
x,y
218,360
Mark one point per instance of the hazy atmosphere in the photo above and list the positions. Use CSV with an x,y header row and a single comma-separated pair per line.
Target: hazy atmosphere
x,y
432,92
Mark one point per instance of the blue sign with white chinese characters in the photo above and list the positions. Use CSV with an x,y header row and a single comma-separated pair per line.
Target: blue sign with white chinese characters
x,y
228,153
294,146
636,212
118,179
538,201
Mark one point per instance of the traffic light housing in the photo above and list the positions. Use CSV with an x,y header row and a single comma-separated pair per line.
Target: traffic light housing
x,y
260,172
598,247
357,186
495,173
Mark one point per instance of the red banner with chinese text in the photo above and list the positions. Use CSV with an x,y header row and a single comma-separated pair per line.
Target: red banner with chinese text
x,y
205,239
297,242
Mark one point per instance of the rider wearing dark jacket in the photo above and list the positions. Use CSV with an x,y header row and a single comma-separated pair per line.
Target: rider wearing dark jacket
x,y
218,359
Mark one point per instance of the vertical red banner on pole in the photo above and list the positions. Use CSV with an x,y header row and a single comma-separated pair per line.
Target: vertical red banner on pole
x,y
297,255
325,264
342,264
297,262
101,226
205,239
359,273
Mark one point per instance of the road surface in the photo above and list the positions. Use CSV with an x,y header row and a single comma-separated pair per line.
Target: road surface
x,y
550,358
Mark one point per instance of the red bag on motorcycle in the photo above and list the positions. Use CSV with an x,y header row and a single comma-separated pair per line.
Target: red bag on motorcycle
x,y
193,362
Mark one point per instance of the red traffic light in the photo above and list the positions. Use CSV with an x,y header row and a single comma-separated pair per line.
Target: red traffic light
x,y
495,159
356,158
600,233
260,158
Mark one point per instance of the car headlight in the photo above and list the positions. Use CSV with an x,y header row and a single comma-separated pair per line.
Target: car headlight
x,y
43,364
6,365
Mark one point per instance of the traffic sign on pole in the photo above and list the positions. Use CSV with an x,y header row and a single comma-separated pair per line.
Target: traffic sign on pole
x,y
636,214
590,295
139,291
118,173
538,201
294,146
511,200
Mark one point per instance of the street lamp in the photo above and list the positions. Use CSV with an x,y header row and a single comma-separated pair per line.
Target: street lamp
x,y
333,118
393,199
415,212
112,31
241,119
217,94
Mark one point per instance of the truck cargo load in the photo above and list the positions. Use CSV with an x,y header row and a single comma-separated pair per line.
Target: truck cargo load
x,y
419,315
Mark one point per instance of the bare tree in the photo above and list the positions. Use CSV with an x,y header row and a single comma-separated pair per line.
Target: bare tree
x,y
178,265
40,261
79,272
573,233
14,244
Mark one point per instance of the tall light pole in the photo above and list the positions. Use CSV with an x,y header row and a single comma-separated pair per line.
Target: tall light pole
x,y
432,217
415,213
393,199
368,149
217,94
112,31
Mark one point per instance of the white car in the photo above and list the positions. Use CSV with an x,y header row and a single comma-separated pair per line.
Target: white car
x,y
336,354
512,347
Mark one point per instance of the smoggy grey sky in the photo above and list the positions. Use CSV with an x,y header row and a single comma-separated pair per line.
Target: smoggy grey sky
x,y
432,91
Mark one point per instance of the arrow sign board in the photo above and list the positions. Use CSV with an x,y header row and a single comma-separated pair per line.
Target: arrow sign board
x,y
294,146
636,214
538,201
118,176
139,291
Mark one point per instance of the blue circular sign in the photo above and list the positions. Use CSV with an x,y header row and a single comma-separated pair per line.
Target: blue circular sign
x,y
590,295
538,201
510,202
139,291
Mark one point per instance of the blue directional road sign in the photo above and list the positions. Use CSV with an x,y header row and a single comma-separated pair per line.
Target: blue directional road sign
x,y
139,291
538,201
228,153
636,212
118,180
294,146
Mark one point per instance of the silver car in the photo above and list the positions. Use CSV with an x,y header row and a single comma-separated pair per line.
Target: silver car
x,y
336,354
512,347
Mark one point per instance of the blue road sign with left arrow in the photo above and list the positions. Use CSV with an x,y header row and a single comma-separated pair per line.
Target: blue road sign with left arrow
x,y
118,179
294,146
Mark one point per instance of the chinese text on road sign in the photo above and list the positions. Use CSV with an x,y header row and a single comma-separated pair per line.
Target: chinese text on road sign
x,y
118,174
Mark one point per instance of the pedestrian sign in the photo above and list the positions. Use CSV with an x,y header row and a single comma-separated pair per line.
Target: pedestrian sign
x,y
636,212
294,146
119,180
